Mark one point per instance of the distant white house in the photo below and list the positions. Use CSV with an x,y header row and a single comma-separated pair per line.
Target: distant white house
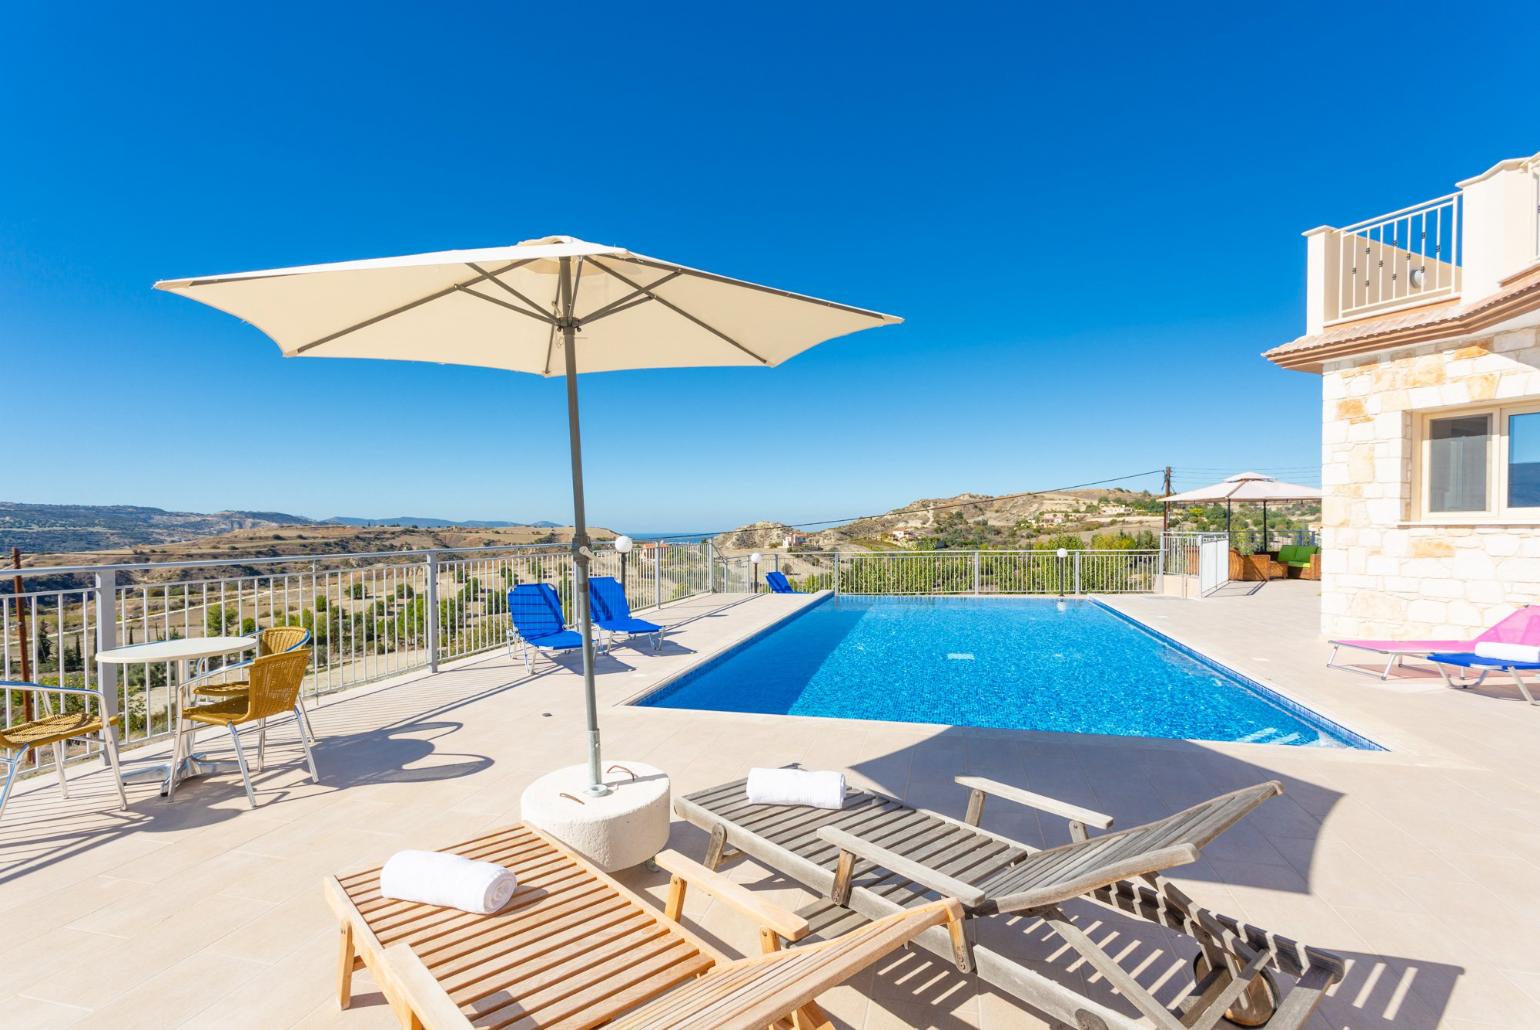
x,y
1052,518
903,534
1116,509
1422,325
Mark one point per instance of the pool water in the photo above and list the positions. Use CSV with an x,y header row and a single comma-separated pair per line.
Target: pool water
x,y
1026,664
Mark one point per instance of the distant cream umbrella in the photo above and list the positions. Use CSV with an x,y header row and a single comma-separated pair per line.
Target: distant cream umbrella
x,y
1246,486
555,306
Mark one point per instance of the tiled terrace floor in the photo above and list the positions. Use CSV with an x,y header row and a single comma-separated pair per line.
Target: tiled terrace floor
x,y
1420,865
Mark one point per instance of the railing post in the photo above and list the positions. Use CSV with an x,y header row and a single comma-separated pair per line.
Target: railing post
x,y
836,573
1077,573
432,611
658,551
711,568
975,572
106,639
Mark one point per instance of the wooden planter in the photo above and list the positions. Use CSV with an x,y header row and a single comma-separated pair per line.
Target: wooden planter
x,y
1253,568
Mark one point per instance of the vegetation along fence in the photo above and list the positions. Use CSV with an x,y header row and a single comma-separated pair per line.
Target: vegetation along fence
x,y
975,572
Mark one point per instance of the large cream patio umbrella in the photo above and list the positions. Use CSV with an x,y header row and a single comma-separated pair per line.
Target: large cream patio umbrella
x,y
555,306
1246,487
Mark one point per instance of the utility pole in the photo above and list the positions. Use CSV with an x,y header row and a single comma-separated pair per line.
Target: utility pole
x,y
1165,509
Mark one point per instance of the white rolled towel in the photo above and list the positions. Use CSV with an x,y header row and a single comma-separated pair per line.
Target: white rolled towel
x,y
449,881
797,787
1508,652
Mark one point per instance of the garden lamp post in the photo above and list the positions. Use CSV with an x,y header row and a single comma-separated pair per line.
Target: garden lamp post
x,y
754,560
1063,553
623,545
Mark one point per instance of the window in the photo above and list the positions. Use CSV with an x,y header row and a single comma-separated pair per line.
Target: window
x,y
1457,463
1481,465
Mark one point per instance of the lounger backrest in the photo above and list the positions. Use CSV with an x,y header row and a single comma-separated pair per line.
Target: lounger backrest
x,y
609,599
535,610
1105,859
778,582
1522,627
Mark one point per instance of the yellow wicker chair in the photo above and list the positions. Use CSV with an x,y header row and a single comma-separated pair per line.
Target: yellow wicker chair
x,y
273,689
54,730
276,640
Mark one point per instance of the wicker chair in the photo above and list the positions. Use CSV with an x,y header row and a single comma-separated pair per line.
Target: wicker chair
x,y
273,689
276,640
54,730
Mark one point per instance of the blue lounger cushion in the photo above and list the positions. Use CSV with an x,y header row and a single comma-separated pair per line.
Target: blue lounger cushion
x,y
778,583
1467,660
612,612
536,613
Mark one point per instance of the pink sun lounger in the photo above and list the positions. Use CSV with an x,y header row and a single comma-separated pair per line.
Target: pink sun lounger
x,y
1522,627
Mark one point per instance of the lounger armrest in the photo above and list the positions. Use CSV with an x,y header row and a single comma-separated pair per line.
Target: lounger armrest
x,y
851,845
420,990
1041,802
765,913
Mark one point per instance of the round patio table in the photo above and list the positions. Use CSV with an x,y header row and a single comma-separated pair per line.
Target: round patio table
x,y
181,652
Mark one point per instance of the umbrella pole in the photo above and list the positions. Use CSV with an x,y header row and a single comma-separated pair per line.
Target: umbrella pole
x,y
580,551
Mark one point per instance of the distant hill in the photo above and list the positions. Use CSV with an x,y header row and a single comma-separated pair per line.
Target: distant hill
x,y
52,528
77,528
966,520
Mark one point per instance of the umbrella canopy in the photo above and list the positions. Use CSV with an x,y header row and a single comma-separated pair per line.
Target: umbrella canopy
x,y
502,307
551,306
1246,486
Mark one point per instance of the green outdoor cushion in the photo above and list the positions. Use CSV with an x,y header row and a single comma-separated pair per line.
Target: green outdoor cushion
x,y
1289,554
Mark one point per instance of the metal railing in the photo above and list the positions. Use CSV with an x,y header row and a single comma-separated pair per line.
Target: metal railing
x,y
371,616
1406,257
974,572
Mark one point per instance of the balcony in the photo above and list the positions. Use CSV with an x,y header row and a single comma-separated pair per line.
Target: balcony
x,y
1460,248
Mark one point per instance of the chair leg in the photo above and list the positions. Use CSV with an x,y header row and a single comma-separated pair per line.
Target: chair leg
x,y
13,763
304,739
240,758
178,742
304,716
110,746
58,768
261,745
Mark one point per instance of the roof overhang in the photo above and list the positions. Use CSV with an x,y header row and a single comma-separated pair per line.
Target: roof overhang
x,y
1518,297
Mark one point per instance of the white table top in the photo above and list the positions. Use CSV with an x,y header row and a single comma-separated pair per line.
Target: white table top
x,y
175,650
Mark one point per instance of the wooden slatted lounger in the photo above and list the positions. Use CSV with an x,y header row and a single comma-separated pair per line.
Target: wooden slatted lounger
x,y
574,948
878,855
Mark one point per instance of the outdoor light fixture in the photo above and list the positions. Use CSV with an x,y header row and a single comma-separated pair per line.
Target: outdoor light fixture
x,y
1063,552
1417,276
754,560
623,545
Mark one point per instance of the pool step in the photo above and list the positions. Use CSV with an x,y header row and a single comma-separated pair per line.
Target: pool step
x,y
1270,735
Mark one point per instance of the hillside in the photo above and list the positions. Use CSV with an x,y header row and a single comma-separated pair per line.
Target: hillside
x,y
59,529
966,520
310,540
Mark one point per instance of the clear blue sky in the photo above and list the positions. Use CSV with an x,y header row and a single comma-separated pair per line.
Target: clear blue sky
x,y
1088,217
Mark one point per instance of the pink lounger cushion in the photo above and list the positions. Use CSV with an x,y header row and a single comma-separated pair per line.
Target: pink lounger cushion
x,y
1521,627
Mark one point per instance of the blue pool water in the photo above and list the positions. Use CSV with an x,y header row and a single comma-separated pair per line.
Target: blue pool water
x,y
1029,664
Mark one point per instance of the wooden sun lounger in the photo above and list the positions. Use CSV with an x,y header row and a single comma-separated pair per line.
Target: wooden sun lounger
x,y
878,855
777,990
574,948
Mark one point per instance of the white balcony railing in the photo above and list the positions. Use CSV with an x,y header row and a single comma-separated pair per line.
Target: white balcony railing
x,y
1402,259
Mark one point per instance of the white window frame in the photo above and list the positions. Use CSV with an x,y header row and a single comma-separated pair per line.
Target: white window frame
x,y
1497,509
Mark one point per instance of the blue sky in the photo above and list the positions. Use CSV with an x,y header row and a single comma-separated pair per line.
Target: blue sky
x,y
1089,219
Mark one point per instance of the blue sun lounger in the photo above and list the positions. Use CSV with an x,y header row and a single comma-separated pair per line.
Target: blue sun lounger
x,y
1480,666
535,611
612,612
778,583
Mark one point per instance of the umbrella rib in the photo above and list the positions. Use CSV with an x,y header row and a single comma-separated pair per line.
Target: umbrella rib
x,y
629,300
408,306
651,263
537,316
681,312
540,313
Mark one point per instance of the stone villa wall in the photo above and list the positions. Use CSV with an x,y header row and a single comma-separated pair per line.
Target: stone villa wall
x,y
1383,575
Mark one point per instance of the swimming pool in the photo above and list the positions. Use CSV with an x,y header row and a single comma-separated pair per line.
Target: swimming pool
x,y
1021,663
